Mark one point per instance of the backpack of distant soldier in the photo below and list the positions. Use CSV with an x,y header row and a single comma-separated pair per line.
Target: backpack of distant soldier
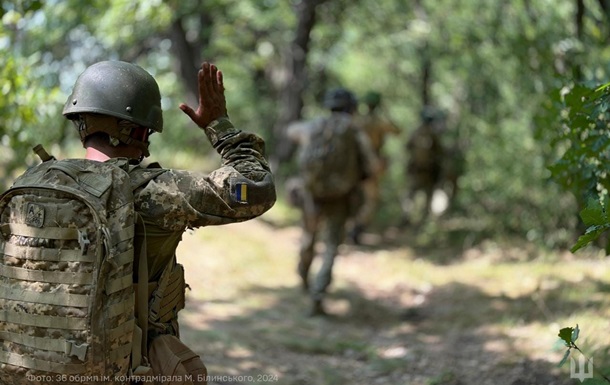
x,y
66,285
329,162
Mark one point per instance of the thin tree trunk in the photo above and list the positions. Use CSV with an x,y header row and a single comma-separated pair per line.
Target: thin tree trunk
x,y
291,90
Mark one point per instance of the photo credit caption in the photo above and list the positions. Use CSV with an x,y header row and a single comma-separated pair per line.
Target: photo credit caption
x,y
228,379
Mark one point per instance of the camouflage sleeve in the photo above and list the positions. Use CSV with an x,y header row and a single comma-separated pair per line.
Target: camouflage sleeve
x,y
296,131
300,132
371,164
390,128
241,189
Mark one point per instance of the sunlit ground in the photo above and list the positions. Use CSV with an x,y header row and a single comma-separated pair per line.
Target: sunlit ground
x,y
489,315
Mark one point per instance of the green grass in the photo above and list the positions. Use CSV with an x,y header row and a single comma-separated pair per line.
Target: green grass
x,y
500,303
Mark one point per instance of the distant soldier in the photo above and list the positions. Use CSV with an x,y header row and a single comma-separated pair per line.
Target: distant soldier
x,y
454,166
377,128
424,168
334,156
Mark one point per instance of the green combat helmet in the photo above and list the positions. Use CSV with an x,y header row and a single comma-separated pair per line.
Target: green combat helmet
x,y
429,114
372,99
340,99
116,89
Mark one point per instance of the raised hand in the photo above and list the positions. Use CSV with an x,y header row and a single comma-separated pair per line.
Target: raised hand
x,y
212,102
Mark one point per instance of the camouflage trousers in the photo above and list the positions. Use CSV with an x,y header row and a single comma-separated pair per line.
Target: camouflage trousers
x,y
369,201
323,221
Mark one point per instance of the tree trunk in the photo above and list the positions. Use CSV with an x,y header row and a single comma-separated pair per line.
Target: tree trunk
x,y
294,83
187,54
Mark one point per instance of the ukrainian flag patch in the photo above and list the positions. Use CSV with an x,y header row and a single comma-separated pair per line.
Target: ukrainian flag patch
x,y
241,192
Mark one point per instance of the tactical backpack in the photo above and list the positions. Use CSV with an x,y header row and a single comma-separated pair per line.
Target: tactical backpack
x,y
66,284
330,162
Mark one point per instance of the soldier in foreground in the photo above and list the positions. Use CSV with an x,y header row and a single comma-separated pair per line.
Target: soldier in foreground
x,y
177,200
334,157
116,107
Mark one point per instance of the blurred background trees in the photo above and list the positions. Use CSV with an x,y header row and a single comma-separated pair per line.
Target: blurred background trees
x,y
502,73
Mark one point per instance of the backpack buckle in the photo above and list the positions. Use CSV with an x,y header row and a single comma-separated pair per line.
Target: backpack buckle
x,y
153,306
78,351
84,241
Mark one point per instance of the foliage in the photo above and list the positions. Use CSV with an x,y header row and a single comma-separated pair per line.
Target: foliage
x,y
23,103
584,142
492,65
569,335
585,138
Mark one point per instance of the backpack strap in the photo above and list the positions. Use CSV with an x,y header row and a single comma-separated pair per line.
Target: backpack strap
x,y
140,176
42,153
139,348
91,182
155,301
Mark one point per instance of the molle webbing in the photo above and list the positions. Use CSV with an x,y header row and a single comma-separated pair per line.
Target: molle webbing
x,y
38,364
44,254
38,342
61,299
36,232
43,321
60,367
166,296
66,268
60,345
45,276
173,296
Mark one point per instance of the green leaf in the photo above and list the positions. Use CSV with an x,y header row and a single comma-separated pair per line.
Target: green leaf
x,y
565,358
566,335
575,333
602,87
589,236
577,96
593,213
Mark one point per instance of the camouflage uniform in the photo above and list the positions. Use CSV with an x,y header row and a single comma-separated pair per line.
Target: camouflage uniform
x,y
115,106
325,219
123,102
376,129
176,200
426,155
169,201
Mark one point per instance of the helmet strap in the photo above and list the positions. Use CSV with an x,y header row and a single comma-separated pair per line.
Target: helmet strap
x,y
119,130
114,141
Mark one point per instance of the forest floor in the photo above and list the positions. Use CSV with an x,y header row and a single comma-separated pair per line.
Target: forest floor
x,y
405,308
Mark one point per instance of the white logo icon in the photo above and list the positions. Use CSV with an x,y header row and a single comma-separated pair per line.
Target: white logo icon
x,y
583,370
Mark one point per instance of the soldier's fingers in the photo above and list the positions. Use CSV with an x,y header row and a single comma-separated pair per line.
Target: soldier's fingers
x,y
207,79
220,81
214,78
188,110
201,81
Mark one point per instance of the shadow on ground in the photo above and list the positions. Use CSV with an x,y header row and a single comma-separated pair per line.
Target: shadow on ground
x,y
452,337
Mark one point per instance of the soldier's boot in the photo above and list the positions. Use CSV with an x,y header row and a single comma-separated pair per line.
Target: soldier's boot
x,y
317,309
304,274
355,234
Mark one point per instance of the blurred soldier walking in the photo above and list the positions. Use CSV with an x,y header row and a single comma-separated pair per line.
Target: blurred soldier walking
x,y
377,129
334,157
425,163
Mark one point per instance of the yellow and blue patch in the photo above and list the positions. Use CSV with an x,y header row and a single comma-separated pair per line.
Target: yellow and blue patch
x,y
241,192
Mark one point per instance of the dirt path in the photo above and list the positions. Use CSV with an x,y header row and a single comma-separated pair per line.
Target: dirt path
x,y
397,317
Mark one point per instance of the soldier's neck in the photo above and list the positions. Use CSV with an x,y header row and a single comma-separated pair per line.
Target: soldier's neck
x,y
95,154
